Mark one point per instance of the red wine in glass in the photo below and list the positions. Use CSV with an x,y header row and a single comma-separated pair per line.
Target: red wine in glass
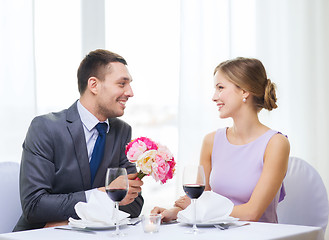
x,y
194,184
193,190
116,187
117,195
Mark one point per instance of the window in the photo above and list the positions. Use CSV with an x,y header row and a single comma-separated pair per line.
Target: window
x,y
148,39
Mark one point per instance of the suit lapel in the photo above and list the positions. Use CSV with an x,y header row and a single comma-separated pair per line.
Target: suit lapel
x,y
78,137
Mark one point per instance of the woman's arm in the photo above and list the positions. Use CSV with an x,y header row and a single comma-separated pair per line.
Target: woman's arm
x,y
275,166
167,215
183,202
205,161
205,156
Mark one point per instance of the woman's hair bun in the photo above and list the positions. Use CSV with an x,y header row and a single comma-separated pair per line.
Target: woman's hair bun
x,y
270,96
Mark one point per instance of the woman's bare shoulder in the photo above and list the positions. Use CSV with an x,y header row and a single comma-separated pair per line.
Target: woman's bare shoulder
x,y
279,141
278,148
209,138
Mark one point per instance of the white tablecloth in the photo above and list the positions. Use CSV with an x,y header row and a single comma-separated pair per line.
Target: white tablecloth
x,y
254,231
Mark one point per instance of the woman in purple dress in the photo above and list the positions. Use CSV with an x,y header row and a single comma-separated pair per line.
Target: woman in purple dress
x,y
246,162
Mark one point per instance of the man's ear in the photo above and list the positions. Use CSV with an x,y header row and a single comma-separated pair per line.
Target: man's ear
x,y
92,85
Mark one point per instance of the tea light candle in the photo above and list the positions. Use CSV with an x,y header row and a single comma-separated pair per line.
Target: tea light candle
x,y
150,227
151,223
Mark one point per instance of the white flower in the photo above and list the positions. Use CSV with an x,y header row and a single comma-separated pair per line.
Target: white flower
x,y
145,161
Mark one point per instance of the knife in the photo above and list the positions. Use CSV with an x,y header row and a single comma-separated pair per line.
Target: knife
x,y
76,229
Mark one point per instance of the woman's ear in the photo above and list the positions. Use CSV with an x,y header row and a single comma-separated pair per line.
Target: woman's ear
x,y
245,94
92,85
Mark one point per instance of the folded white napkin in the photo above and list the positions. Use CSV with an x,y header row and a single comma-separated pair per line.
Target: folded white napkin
x,y
98,212
210,207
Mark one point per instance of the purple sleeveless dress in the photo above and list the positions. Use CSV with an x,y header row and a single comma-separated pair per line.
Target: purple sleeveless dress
x,y
237,168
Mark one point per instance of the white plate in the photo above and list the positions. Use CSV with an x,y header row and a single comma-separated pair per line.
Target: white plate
x,y
94,225
101,228
210,223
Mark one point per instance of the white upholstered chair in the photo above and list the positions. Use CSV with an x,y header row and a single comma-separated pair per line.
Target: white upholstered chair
x,y
306,201
10,206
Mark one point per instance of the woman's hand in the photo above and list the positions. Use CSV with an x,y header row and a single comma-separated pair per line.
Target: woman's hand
x,y
167,215
183,202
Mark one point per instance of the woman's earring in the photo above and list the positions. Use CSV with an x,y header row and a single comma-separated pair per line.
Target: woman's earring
x,y
244,100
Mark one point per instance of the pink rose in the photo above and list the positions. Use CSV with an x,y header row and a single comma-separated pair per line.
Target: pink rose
x,y
136,149
149,143
164,152
160,169
151,158
172,169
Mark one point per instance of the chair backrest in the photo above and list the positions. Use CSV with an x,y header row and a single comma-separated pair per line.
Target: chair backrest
x,y
306,201
10,206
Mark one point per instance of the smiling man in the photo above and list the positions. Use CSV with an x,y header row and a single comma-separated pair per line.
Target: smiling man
x,y
58,167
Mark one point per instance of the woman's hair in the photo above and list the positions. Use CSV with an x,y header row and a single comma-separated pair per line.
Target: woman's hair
x,y
249,74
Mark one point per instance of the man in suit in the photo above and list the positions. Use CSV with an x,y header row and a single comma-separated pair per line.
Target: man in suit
x,y
55,172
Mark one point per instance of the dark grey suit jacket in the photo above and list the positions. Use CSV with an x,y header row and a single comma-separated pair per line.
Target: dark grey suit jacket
x,y
55,169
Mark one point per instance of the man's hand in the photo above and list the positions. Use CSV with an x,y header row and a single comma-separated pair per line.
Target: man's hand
x,y
55,224
134,188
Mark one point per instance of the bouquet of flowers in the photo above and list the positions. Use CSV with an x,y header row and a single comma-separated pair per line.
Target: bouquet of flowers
x,y
152,159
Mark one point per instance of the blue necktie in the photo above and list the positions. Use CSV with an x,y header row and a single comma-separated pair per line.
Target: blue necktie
x,y
98,152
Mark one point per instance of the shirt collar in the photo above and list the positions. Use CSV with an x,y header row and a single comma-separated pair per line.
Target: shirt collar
x,y
88,119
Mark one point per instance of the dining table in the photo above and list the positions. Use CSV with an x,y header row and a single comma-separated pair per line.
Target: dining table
x,y
252,231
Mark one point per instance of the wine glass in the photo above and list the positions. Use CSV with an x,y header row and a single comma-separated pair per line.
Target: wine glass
x,y
116,186
193,185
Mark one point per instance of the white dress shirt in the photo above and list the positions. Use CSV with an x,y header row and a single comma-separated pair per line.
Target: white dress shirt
x,y
89,121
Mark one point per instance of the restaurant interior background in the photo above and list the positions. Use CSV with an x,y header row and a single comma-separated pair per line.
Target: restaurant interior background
x,y
172,48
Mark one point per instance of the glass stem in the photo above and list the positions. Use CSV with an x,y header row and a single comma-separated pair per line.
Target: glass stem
x,y
117,230
194,215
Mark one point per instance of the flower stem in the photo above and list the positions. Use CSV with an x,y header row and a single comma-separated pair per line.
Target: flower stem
x,y
140,175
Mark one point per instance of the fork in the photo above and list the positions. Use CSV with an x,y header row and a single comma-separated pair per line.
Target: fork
x,y
221,227
226,226
134,221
